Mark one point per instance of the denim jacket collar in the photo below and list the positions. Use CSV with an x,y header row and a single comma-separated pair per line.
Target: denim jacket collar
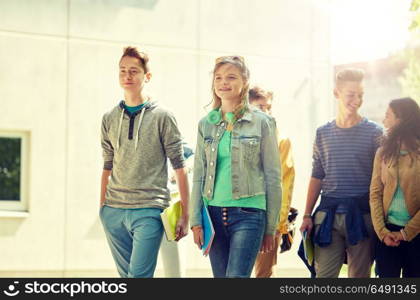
x,y
246,117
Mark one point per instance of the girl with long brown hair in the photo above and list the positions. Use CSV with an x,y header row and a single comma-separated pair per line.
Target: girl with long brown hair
x,y
395,192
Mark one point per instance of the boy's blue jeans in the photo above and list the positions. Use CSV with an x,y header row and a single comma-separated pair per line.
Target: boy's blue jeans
x,y
134,236
239,232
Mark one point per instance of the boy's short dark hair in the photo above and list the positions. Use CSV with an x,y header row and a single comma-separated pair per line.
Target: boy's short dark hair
x,y
141,56
256,93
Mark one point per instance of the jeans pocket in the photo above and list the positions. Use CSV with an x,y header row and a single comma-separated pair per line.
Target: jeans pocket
x,y
101,209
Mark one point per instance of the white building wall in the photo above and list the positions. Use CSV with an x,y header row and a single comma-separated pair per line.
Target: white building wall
x,y
59,75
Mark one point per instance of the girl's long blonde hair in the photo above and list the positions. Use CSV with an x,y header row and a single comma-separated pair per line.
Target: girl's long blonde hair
x,y
238,62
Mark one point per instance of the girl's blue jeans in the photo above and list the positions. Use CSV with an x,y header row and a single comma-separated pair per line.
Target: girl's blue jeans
x,y
239,232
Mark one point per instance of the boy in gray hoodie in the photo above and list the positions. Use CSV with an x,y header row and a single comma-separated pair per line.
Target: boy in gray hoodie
x,y
137,138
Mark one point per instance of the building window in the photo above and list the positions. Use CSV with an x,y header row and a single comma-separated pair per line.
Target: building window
x,y
13,170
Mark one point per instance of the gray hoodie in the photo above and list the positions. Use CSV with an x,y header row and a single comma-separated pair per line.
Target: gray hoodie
x,y
136,147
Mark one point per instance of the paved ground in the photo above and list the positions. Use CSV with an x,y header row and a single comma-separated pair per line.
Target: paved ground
x,y
192,273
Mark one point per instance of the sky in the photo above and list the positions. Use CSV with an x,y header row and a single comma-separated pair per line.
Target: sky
x,y
363,30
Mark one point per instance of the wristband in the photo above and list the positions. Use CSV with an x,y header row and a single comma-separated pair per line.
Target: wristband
x,y
306,216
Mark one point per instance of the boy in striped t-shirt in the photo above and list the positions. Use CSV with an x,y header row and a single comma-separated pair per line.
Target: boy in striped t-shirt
x,y
343,155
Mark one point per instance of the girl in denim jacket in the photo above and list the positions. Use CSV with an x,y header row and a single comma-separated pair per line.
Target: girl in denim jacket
x,y
236,174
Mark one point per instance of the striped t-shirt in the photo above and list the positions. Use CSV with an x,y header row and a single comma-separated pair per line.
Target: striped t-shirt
x,y
343,158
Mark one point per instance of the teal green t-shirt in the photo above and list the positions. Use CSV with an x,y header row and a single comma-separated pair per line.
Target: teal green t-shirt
x,y
222,196
133,109
397,212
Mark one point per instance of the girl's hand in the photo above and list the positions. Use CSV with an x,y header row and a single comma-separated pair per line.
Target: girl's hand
x,y
198,236
390,240
267,243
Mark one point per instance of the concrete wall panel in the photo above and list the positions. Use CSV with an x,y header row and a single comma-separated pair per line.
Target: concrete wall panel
x,y
40,16
33,99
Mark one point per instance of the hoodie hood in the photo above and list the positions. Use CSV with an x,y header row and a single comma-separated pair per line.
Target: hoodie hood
x,y
148,105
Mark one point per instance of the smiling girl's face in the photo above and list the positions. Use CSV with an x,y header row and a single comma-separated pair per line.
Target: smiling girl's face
x,y
390,119
228,82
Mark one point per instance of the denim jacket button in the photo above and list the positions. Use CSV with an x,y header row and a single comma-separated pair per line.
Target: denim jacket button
x,y
213,149
211,163
210,177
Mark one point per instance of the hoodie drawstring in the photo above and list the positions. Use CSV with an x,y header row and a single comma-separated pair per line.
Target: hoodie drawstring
x,y
138,128
119,129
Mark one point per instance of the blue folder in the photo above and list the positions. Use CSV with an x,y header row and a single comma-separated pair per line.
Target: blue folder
x,y
208,230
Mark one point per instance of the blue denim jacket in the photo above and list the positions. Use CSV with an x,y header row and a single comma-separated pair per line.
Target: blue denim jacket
x,y
255,163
